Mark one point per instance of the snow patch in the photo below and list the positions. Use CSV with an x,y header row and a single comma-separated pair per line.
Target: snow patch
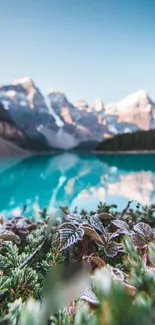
x,y
127,102
6,104
23,103
133,98
22,81
58,121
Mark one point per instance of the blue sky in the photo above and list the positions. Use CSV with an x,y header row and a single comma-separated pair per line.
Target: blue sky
x,y
87,48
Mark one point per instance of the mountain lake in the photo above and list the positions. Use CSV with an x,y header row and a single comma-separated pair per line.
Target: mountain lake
x,y
75,180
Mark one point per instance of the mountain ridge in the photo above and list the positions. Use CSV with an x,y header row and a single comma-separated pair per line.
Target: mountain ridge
x,y
53,122
27,79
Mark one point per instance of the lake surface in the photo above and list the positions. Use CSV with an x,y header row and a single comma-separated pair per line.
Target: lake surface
x,y
71,179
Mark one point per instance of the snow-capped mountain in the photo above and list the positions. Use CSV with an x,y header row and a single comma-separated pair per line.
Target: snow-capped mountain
x,y
136,108
39,122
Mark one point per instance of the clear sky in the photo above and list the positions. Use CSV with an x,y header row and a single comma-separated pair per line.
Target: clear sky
x,y
87,48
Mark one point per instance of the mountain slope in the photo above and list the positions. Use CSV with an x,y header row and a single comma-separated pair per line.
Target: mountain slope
x,y
79,120
9,149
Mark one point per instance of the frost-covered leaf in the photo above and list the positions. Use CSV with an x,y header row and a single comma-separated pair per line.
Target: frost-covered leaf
x,y
144,230
122,225
89,231
69,234
97,224
114,235
116,273
139,240
90,297
77,219
73,217
112,248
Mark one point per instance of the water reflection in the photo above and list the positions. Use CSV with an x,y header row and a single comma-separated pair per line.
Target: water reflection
x,y
75,180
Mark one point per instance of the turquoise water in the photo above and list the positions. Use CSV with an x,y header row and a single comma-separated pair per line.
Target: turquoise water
x,y
71,179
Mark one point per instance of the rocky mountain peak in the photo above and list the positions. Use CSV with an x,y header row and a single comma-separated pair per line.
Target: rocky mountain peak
x,y
57,97
81,104
25,82
140,97
135,108
23,92
98,105
129,102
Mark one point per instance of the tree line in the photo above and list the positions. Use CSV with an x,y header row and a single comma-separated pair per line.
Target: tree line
x,y
139,140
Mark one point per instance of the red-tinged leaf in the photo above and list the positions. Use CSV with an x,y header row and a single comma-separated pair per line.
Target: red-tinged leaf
x,y
69,234
31,226
122,225
9,236
105,216
23,231
144,230
1,220
112,248
98,261
130,289
139,240
89,231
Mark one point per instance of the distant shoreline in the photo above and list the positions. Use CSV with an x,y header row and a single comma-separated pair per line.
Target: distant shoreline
x,y
100,152
12,151
96,152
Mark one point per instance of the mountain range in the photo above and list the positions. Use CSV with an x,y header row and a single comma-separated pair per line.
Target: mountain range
x,y
34,122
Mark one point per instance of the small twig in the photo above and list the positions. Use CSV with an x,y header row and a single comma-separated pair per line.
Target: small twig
x,y
21,266
126,209
24,209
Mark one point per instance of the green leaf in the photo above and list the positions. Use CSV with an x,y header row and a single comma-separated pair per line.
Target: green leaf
x,y
151,252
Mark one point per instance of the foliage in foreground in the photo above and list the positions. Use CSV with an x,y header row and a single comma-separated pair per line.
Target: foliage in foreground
x,y
96,268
